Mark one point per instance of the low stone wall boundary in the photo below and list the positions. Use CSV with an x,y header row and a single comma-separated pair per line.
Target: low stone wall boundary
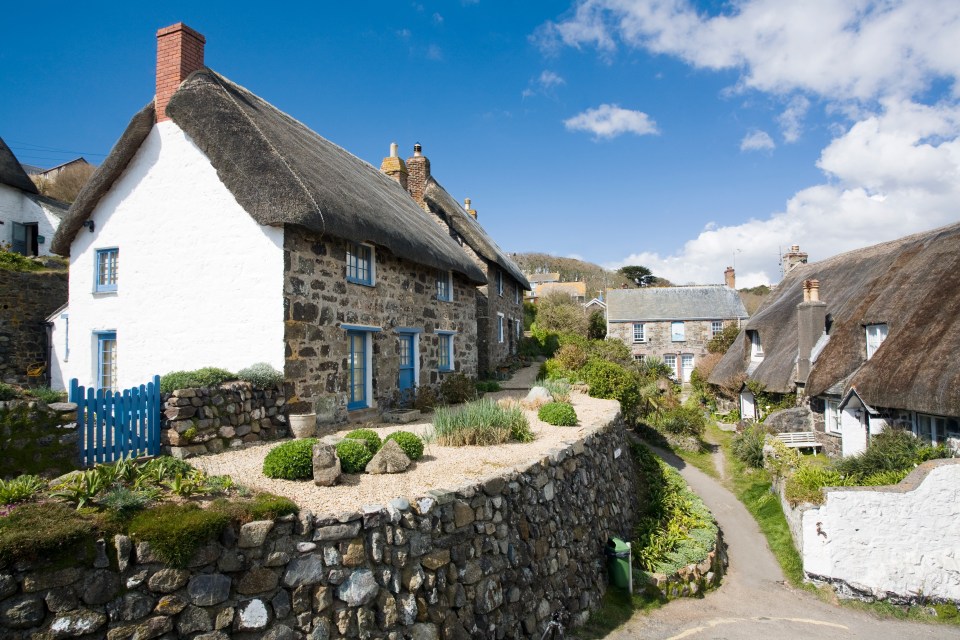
x,y
694,579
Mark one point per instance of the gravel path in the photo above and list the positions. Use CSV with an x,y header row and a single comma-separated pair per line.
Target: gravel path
x,y
440,468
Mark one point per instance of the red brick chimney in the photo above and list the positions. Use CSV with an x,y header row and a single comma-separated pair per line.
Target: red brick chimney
x,y
418,167
730,277
179,53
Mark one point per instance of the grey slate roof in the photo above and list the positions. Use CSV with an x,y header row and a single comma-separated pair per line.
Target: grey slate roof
x,y
11,173
281,173
648,304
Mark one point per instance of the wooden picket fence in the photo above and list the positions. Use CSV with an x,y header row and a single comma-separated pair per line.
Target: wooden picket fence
x,y
115,425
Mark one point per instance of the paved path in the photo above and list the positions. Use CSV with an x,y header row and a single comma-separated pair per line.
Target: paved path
x,y
754,602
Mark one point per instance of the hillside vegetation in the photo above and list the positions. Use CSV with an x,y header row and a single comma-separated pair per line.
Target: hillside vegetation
x,y
572,270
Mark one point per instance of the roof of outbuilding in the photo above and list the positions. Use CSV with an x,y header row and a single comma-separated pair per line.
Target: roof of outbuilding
x,y
281,173
649,304
911,284
470,230
11,173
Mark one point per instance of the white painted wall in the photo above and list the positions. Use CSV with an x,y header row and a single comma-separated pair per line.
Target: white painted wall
x,y
15,206
853,433
200,283
882,540
58,334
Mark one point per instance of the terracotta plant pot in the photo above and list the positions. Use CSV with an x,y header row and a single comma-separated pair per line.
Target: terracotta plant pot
x,y
304,425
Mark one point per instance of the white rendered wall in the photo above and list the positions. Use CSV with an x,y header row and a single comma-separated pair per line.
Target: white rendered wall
x,y
890,540
200,283
853,433
15,206
58,334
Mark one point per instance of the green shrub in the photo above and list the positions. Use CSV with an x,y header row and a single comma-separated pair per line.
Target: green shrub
x,y
162,469
890,450
369,436
20,489
123,501
807,482
176,531
457,388
681,421
11,261
560,414
549,341
722,341
483,423
529,347
570,357
48,395
411,443
291,460
261,375
41,530
747,446
488,386
611,350
610,380
552,369
263,506
206,377
7,392
424,399
354,455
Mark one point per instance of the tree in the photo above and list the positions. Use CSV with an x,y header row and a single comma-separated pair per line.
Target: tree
x,y
561,313
637,274
67,184
597,327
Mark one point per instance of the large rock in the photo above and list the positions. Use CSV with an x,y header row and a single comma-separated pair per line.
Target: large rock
x,y
100,586
194,619
326,465
537,397
790,420
303,570
209,589
390,459
253,616
78,622
259,580
359,589
168,580
254,534
132,606
22,613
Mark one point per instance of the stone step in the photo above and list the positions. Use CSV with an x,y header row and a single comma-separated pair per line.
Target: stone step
x,y
363,415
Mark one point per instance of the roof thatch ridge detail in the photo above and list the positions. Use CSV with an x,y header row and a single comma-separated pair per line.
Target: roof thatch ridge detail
x,y
103,179
11,173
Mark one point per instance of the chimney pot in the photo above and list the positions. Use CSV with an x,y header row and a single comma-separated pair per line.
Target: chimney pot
x,y
730,278
394,150
179,53
394,167
417,150
814,291
806,291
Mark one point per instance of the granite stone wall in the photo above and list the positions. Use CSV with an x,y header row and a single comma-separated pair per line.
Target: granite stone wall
x,y
319,301
26,300
199,421
658,338
489,560
492,352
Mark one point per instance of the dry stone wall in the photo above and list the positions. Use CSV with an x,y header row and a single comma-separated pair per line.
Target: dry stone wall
x,y
209,420
36,438
491,560
26,300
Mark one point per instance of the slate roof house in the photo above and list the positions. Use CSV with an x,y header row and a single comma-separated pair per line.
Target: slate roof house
x,y
499,301
222,232
868,338
28,220
673,324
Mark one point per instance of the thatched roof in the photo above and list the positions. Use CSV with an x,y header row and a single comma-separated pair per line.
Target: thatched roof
x,y
911,284
440,201
283,173
11,173
651,304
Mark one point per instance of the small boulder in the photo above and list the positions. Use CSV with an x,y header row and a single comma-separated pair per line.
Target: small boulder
x,y
537,397
326,465
390,459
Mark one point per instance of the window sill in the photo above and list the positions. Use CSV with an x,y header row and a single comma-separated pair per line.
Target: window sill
x,y
105,292
361,283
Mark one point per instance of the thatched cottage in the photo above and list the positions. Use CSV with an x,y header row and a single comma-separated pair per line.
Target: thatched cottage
x,y
868,339
499,301
222,232
674,324
28,219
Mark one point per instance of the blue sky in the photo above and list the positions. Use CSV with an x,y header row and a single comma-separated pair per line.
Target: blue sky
x,y
677,135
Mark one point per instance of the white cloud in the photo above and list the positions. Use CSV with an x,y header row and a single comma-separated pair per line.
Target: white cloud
x,y
610,121
550,79
791,120
757,140
437,18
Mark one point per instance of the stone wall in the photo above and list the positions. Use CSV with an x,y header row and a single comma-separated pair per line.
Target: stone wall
x,y
26,300
38,439
494,353
318,300
491,560
895,543
658,338
199,421
692,580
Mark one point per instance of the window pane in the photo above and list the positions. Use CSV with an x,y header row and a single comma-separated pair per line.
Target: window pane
x,y
677,332
638,332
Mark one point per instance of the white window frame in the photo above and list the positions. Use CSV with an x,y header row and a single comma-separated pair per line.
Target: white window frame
x,y
938,426
500,327
832,420
372,266
675,335
675,367
716,328
639,357
642,333
445,280
875,334
756,347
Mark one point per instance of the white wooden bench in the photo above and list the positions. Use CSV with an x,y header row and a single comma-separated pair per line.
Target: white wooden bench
x,y
800,440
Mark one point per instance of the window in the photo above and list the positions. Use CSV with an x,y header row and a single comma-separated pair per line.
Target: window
x,y
756,349
677,332
639,357
876,334
445,354
716,328
670,359
107,360
500,328
831,416
519,326
107,269
516,294
936,429
359,369
638,335
445,286
360,265
500,283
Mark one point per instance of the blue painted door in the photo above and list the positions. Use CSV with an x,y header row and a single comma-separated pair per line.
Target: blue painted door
x,y
407,359
358,370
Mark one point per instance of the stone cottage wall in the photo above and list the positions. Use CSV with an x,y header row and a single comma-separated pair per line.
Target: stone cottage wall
x,y
489,303
491,560
658,342
26,300
199,421
318,299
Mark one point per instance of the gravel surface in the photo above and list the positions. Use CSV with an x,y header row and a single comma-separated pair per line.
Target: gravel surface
x,y
440,468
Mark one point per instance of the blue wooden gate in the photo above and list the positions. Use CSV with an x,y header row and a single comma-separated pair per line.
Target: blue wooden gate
x,y
115,425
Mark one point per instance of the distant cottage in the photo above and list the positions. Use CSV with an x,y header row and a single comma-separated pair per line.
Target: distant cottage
x,y
28,220
222,232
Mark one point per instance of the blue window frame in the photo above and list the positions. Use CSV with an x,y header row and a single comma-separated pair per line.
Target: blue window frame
x,y
445,355
358,369
106,275
107,360
360,264
444,286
